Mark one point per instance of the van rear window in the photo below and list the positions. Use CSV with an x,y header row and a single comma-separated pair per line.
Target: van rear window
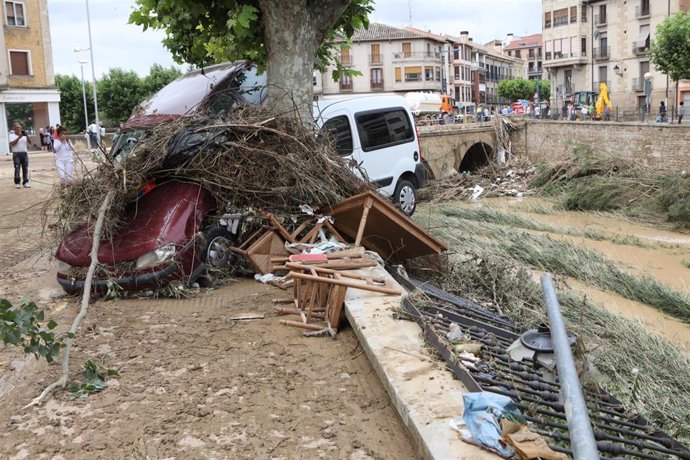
x,y
338,131
383,128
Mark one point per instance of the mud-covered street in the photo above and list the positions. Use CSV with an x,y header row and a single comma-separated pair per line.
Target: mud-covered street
x,y
193,383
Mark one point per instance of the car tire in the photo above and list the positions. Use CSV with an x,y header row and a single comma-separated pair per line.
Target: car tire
x,y
216,253
405,197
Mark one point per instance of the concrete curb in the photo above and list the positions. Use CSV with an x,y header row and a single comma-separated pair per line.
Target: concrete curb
x,y
423,392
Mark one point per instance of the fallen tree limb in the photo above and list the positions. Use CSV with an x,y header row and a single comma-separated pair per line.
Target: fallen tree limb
x,y
62,381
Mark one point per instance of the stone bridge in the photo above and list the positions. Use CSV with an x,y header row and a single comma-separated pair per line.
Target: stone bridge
x,y
448,149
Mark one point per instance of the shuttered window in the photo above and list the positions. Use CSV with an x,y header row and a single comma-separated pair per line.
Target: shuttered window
x,y
19,63
14,14
398,74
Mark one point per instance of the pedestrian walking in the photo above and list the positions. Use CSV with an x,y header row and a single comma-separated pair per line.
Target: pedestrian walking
x,y
64,156
93,131
607,112
681,112
19,144
661,118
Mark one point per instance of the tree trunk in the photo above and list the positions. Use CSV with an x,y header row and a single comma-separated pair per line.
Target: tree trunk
x,y
294,30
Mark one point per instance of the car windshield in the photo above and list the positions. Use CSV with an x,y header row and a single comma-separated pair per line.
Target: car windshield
x,y
126,142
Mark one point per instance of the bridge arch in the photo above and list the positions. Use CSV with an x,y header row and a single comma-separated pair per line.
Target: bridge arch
x,y
478,155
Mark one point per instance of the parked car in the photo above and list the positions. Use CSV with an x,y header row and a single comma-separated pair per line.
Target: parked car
x,y
159,240
377,134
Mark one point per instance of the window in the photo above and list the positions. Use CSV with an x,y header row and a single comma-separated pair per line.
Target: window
x,y
644,8
20,63
381,129
407,49
428,73
376,78
456,54
573,14
437,71
456,72
602,14
338,131
375,54
603,74
560,17
345,58
583,13
15,14
583,46
413,74
346,83
398,74
547,20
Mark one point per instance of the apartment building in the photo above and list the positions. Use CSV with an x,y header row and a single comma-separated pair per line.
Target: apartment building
x,y
391,60
530,49
26,68
587,42
488,65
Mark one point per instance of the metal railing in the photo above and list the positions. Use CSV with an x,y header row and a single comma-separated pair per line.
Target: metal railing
x,y
345,86
416,55
377,84
601,53
642,11
638,84
548,56
595,85
641,50
375,58
599,19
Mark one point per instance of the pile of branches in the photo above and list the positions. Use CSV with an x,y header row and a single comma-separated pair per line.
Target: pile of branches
x,y
253,160
508,179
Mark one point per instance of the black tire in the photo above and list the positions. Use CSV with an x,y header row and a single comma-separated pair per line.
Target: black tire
x,y
405,196
215,252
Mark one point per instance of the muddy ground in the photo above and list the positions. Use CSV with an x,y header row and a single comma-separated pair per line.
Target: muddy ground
x,y
193,383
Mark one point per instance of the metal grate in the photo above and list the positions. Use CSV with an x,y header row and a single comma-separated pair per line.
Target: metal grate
x,y
619,433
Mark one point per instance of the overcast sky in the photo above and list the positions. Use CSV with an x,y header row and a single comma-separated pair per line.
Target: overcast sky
x,y
118,44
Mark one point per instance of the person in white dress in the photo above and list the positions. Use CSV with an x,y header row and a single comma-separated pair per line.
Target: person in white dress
x,y
64,156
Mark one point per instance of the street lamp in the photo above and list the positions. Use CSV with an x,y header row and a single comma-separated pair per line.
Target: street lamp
x,y
83,92
93,70
648,92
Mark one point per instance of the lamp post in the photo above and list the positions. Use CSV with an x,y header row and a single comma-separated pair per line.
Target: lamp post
x,y
83,92
93,70
648,93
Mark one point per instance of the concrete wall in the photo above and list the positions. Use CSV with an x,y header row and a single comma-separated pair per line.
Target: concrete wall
x,y
662,147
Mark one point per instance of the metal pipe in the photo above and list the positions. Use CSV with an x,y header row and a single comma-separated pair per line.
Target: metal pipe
x,y
83,93
580,428
93,74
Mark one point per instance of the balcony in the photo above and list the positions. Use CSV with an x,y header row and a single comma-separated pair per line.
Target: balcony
x,y
377,85
602,53
599,19
345,86
642,11
638,85
534,72
417,56
376,59
641,50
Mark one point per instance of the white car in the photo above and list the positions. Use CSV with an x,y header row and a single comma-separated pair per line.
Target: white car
x,y
377,134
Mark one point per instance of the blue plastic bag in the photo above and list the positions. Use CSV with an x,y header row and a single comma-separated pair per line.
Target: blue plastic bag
x,y
481,416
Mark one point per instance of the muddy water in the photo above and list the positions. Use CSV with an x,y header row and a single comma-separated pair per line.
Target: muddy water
x,y
658,253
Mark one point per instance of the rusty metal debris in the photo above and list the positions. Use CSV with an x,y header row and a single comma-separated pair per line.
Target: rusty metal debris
x,y
618,431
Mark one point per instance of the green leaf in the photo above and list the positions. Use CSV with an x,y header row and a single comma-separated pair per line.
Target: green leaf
x,y
52,325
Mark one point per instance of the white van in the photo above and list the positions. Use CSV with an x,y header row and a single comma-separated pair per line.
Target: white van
x,y
377,133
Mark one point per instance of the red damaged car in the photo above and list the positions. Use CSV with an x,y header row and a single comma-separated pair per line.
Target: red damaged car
x,y
159,241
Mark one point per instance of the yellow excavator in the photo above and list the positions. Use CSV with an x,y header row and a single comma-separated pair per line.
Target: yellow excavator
x,y
603,101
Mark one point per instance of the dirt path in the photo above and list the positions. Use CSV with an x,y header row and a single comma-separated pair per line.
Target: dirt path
x,y
193,383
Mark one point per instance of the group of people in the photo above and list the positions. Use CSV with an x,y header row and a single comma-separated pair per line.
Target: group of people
x,y
661,116
52,139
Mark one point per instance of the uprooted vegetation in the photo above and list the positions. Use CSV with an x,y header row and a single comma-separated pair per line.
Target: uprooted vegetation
x,y
257,160
491,267
589,181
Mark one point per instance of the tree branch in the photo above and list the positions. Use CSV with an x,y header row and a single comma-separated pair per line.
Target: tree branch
x,y
62,381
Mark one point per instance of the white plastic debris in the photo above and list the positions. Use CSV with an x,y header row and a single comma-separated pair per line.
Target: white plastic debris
x,y
454,332
476,191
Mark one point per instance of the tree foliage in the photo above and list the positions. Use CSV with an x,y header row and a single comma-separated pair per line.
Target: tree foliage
x,y
72,102
288,38
119,92
524,89
671,51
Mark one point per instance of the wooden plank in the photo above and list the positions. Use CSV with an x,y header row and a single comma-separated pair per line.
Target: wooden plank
x,y
347,283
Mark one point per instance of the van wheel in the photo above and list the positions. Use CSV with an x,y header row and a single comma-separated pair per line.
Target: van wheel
x,y
405,197
216,253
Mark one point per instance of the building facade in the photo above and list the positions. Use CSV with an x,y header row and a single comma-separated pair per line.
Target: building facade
x,y
530,49
391,60
26,68
588,42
